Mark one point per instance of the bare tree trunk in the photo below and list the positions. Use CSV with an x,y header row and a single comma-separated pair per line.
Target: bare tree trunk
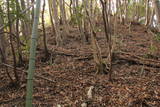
x,y
51,17
62,12
137,12
126,10
74,6
108,36
2,47
147,13
151,18
86,23
156,5
91,8
25,23
20,59
70,8
59,40
100,65
63,19
95,13
116,20
2,41
65,14
120,12
44,32
11,42
109,10
32,12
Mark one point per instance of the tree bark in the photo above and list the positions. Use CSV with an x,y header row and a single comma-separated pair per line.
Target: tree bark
x,y
51,17
34,37
59,40
147,13
11,42
107,29
156,5
86,22
151,18
63,19
2,42
20,59
44,32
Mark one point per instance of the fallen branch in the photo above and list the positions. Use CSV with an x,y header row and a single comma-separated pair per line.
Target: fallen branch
x,y
65,54
90,57
138,59
12,100
36,75
135,59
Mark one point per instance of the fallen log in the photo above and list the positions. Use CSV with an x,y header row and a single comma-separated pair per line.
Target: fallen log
x,y
136,59
130,58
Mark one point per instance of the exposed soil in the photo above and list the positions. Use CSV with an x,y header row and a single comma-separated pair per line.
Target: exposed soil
x,y
134,85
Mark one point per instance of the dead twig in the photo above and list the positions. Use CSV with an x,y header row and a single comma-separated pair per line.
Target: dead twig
x,y
12,100
36,75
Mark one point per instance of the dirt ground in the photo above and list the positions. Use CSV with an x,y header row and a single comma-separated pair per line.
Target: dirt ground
x,y
69,78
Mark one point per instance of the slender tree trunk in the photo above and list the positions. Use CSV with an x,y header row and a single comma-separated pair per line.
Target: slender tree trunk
x,y
100,66
44,32
109,10
156,5
29,96
70,8
2,39
2,43
74,6
116,20
25,23
63,19
51,17
108,36
151,18
59,40
91,8
147,13
85,37
126,10
120,12
2,47
62,11
32,12
137,12
95,12
20,59
11,42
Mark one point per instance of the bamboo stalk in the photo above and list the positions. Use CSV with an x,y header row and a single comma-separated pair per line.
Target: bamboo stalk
x,y
31,69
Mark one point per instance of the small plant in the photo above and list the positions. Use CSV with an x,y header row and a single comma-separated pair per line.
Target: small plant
x,y
152,49
157,37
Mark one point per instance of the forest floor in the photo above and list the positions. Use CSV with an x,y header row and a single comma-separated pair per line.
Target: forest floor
x,y
71,72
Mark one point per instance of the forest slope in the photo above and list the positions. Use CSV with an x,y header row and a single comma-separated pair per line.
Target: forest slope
x,y
71,69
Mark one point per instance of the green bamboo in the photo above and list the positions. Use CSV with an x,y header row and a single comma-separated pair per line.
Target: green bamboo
x,y
31,69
